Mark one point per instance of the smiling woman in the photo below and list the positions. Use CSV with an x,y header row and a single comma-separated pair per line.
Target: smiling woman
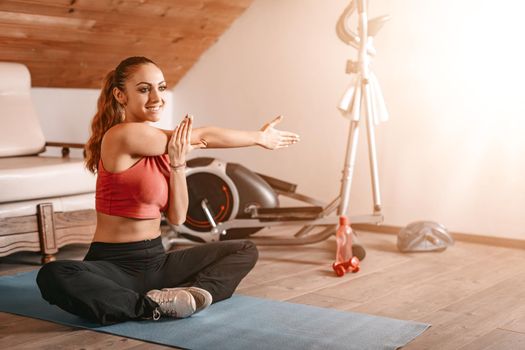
x,y
143,98
126,273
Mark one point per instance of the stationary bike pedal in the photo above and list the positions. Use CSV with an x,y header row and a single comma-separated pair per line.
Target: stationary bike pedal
x,y
287,213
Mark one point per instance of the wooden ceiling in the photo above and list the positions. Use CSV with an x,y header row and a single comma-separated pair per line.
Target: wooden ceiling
x,y
74,43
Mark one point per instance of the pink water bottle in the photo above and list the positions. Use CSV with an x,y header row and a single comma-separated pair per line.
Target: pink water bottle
x,y
344,259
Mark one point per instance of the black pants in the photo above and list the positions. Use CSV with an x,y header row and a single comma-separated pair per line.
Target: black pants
x,y
109,286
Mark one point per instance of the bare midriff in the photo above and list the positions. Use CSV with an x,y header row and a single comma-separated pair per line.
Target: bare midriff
x,y
118,229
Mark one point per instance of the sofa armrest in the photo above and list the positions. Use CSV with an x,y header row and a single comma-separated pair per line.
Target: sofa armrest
x,y
66,146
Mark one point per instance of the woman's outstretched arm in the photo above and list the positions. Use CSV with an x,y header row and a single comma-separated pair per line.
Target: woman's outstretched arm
x,y
267,137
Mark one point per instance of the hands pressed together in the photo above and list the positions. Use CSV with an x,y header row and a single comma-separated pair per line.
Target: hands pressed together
x,y
180,143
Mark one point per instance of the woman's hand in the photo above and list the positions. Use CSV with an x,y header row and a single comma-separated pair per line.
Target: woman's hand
x,y
180,142
272,138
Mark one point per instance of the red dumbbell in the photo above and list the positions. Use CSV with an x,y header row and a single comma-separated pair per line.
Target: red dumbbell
x,y
351,265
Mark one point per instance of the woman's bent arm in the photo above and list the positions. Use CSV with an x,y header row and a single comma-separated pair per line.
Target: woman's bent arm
x,y
178,147
178,198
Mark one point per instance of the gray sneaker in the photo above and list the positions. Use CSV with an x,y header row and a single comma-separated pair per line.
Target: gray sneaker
x,y
202,297
173,302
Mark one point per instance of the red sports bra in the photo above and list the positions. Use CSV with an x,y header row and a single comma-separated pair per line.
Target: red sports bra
x,y
139,192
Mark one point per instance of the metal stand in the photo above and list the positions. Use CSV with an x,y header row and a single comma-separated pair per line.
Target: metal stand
x,y
363,98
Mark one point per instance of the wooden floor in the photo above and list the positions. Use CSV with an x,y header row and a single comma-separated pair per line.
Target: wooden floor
x,y
472,294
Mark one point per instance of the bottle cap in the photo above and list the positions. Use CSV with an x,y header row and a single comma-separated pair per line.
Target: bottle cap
x,y
343,221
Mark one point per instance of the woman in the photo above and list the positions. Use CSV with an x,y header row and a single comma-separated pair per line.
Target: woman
x,y
126,273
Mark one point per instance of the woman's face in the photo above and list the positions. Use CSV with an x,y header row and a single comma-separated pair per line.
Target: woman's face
x,y
144,95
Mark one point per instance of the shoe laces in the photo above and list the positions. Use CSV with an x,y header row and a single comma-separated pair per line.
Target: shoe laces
x,y
156,314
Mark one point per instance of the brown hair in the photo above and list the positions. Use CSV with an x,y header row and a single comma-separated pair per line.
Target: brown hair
x,y
109,111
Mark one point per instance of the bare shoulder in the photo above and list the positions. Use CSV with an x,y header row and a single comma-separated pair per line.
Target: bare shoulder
x,y
136,139
124,131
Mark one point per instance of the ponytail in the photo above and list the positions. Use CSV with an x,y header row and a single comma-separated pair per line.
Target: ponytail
x,y
109,111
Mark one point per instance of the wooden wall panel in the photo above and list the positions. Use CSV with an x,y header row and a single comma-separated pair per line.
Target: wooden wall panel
x,y
74,43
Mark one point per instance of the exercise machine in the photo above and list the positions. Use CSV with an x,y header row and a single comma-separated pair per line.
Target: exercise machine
x,y
229,201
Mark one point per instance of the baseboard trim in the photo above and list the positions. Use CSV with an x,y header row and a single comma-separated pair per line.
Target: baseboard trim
x,y
458,236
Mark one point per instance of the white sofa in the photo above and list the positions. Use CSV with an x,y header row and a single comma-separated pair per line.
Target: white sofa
x,y
46,202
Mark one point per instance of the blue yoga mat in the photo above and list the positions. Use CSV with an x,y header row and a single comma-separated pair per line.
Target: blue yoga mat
x,y
240,322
